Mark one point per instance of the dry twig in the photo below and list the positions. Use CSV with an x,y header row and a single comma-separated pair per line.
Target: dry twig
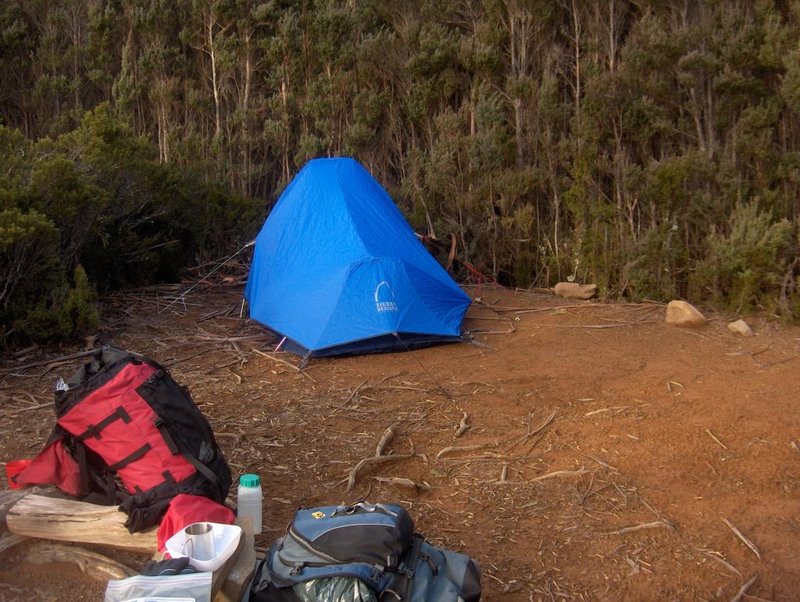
x,y
741,536
530,434
560,473
379,456
656,524
721,444
463,427
453,448
282,361
743,590
404,482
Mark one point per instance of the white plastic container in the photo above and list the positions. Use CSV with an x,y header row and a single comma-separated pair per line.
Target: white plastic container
x,y
225,538
249,498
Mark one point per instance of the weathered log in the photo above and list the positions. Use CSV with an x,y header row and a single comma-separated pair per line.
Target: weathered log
x,y
70,520
9,540
94,565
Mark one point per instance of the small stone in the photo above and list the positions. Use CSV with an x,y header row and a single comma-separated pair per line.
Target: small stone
x,y
574,290
681,313
741,327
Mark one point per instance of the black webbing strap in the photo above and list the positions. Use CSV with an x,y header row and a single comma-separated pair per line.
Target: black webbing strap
x,y
401,588
203,469
94,430
167,436
130,458
80,458
173,447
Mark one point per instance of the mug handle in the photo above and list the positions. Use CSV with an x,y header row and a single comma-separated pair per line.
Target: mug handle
x,y
186,542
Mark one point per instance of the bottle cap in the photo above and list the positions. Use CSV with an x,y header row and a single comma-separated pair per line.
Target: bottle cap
x,y
249,480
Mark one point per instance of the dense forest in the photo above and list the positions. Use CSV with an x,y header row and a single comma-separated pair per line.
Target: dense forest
x,y
649,146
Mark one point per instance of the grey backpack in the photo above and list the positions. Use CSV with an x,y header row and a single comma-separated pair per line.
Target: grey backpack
x,y
363,552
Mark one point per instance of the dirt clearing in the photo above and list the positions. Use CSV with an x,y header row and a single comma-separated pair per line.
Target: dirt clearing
x,y
578,450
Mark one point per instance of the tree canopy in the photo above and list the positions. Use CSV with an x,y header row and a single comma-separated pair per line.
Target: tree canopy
x,y
652,147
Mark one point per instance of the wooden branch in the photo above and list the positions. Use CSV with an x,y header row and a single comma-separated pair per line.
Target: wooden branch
x,y
720,443
354,393
743,590
50,362
70,520
452,448
387,437
9,540
741,536
463,427
717,557
9,497
654,525
404,482
351,480
535,432
282,361
560,473
92,564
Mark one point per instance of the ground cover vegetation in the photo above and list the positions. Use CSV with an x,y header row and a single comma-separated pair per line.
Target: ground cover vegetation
x,y
650,146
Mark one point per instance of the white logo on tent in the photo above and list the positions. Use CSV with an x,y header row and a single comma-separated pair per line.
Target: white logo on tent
x,y
384,297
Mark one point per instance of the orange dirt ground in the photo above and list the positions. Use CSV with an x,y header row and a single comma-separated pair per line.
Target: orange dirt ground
x,y
609,456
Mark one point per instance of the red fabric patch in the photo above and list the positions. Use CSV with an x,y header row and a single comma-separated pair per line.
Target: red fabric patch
x,y
119,439
13,468
186,509
53,466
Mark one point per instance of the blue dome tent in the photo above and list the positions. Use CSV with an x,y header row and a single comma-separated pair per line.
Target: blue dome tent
x,y
337,270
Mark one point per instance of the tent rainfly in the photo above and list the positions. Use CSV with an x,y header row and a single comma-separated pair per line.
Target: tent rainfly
x,y
337,270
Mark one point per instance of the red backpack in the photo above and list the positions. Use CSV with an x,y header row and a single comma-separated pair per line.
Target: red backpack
x,y
127,433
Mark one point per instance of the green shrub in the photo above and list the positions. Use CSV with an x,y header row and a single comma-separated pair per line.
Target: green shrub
x,y
29,266
745,267
66,313
78,315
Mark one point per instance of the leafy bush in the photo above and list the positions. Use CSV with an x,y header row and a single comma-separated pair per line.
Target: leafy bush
x,y
66,313
745,267
97,205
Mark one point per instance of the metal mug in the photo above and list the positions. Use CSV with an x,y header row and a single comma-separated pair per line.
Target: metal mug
x,y
199,542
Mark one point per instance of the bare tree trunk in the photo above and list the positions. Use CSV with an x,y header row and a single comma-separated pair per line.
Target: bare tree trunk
x,y
577,32
210,49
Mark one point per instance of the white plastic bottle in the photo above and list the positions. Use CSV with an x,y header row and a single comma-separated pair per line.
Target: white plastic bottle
x,y
248,499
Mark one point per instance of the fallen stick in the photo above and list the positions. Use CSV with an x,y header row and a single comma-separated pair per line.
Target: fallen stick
x,y
70,520
92,564
452,448
387,437
354,393
504,473
403,482
741,536
654,525
351,480
173,362
543,426
714,555
379,456
9,540
558,474
721,444
50,362
463,427
601,326
281,361
41,406
551,475
743,590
